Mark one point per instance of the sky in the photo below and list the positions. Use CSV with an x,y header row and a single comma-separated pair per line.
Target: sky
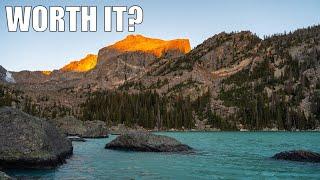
x,y
166,19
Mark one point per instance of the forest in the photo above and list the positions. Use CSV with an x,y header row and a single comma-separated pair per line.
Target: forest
x,y
149,110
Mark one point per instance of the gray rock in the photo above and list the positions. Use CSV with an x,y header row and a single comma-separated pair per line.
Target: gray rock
x,y
298,155
30,142
147,142
2,73
69,125
95,129
88,129
4,176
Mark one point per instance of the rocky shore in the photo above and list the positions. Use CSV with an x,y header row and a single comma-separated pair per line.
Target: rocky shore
x,y
30,142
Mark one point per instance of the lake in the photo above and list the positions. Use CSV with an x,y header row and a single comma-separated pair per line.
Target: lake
x,y
219,155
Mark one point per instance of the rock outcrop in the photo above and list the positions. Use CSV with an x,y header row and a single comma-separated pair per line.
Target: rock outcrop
x,y
4,176
88,129
2,73
29,142
298,155
6,76
147,142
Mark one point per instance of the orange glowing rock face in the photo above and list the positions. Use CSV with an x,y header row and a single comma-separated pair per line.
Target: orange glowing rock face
x,y
83,65
149,45
47,73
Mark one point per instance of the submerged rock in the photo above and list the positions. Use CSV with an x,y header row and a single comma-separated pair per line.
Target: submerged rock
x,y
30,142
74,127
298,155
147,142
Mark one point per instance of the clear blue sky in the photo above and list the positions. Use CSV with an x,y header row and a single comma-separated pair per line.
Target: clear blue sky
x,y
167,19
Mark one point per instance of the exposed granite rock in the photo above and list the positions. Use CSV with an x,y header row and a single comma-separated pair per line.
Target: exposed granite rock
x,y
298,155
88,129
70,125
30,142
2,73
4,176
95,129
147,142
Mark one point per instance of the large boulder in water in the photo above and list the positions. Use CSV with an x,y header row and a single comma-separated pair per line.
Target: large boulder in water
x,y
86,129
95,129
147,142
298,155
69,125
30,142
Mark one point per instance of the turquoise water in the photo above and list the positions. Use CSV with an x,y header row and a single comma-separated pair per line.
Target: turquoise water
x,y
219,155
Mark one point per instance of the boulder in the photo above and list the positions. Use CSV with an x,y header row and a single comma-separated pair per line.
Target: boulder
x,y
4,176
298,155
147,142
69,125
95,129
87,129
30,142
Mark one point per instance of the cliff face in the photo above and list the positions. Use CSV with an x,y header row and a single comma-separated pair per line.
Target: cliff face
x,y
2,73
83,65
156,47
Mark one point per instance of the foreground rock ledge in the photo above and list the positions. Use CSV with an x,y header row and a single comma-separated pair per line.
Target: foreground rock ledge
x,y
4,176
298,155
147,142
30,142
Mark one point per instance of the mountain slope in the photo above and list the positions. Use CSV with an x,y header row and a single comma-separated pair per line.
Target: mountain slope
x,y
230,81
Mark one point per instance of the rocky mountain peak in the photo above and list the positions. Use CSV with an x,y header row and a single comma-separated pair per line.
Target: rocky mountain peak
x,y
83,65
151,45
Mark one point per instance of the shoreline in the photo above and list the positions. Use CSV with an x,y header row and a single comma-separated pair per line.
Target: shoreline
x,y
214,131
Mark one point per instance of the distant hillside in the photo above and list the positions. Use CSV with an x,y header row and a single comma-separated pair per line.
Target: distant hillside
x,y
230,81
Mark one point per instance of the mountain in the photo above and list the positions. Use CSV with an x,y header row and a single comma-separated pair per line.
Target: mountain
x,y
66,88
83,65
254,83
157,47
230,81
